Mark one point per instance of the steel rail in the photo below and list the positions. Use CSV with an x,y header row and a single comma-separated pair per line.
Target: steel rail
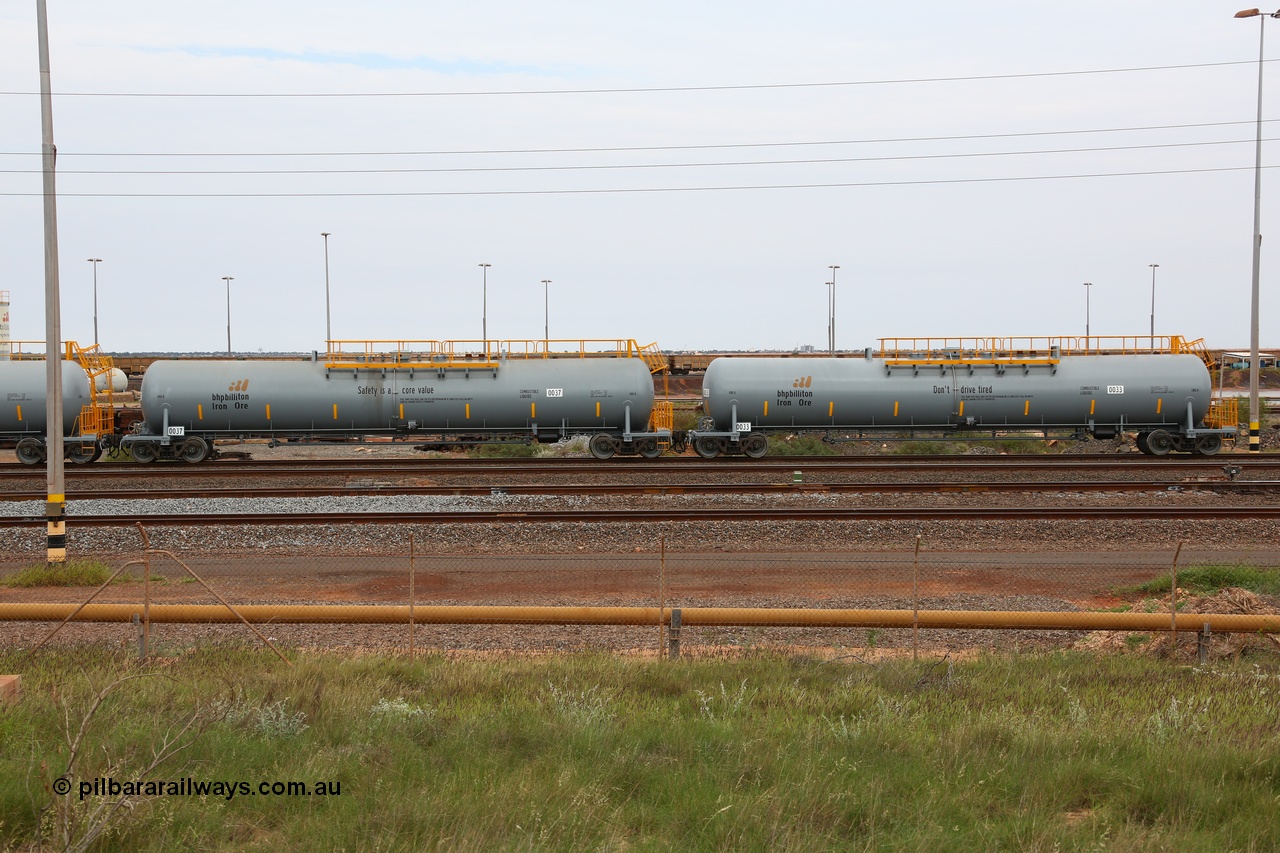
x,y
643,516
1230,487
683,465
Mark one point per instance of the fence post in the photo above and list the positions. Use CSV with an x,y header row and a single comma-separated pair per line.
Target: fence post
x,y
662,588
144,634
412,597
915,602
673,638
1202,645
1173,603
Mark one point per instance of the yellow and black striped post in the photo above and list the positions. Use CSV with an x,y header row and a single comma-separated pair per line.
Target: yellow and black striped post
x,y
55,514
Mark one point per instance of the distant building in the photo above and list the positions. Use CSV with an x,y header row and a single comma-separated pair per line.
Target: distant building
x,y
1240,360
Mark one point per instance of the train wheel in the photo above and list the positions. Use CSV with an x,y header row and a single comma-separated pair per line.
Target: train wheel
x,y
1208,445
195,449
650,449
81,455
1159,442
603,446
30,451
1142,443
143,451
755,445
706,447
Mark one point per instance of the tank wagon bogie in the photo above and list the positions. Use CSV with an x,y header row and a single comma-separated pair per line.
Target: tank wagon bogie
x,y
1164,398
189,404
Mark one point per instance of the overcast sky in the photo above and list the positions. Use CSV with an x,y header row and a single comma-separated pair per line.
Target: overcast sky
x,y
681,172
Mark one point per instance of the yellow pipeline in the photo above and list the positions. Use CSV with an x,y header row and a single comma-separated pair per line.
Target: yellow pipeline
x,y
691,616
347,614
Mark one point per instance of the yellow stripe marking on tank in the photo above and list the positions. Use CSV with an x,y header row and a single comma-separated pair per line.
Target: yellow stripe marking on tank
x,y
831,409
268,411
335,411
1092,405
1026,408
468,410
402,411
597,408
200,411
961,412
19,413
766,408
1159,404
533,410
895,408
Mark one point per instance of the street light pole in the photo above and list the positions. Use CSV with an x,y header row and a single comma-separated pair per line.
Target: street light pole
x,y
1154,267
56,498
833,268
1255,445
484,305
328,327
95,262
831,347
1087,286
546,311
228,279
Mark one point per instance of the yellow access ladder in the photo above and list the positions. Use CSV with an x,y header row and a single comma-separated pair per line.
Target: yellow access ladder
x,y
99,417
1224,412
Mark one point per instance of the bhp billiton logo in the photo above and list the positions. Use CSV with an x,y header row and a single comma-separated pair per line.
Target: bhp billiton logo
x,y
803,382
242,385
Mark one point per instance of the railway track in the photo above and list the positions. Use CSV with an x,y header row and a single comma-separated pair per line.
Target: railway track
x,y
690,466
644,516
704,488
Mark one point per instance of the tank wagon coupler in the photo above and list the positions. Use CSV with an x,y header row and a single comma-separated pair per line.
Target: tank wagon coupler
x,y
1032,388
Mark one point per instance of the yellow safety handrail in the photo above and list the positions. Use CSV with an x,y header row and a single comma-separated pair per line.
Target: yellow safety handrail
x,y
26,350
1022,350
424,355
1224,413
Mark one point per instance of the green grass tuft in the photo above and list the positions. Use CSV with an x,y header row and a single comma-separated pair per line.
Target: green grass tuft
x,y
70,573
1212,578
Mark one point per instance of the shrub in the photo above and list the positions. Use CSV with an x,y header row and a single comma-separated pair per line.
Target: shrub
x,y
799,445
503,451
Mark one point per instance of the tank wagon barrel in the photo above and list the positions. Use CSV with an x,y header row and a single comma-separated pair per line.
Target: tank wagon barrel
x,y
459,390
1165,397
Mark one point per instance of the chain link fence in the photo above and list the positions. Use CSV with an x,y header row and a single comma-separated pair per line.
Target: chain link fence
x,y
282,587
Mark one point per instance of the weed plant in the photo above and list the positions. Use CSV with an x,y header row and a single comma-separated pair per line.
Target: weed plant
x,y
800,445
503,451
71,573
1063,751
1211,578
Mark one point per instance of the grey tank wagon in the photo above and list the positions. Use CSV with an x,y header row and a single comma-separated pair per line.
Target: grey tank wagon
x,y
23,416
188,404
1163,397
